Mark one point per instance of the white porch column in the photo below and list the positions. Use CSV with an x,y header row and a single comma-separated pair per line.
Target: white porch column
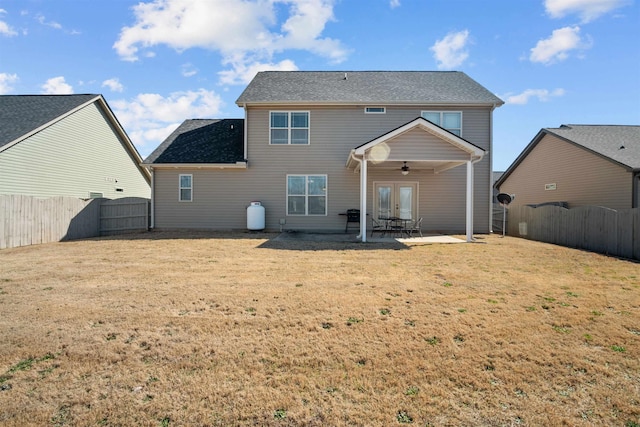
x,y
363,199
469,201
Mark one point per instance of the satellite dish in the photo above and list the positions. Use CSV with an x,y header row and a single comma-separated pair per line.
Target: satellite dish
x,y
504,198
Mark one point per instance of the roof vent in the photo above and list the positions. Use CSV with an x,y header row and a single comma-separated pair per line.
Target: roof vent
x,y
622,147
345,76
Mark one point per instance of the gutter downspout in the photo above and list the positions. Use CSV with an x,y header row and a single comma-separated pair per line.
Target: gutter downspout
x,y
153,192
635,188
491,169
363,198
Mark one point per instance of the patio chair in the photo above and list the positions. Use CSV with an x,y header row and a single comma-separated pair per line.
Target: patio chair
x,y
379,226
416,226
353,217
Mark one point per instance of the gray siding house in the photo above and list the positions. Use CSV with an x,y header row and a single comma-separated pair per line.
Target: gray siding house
x,y
577,165
314,144
67,145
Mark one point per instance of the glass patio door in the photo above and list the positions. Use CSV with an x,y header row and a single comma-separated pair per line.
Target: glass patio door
x,y
394,199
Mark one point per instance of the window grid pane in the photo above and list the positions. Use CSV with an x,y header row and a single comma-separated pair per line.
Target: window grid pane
x,y
451,120
279,136
296,185
299,136
299,120
432,117
279,120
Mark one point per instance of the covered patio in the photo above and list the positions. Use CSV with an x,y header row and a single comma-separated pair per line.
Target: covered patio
x,y
418,147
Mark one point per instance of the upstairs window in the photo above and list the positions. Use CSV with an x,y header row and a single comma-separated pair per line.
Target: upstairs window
x,y
450,120
186,188
289,127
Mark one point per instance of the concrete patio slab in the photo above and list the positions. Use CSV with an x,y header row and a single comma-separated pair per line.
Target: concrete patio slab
x,y
352,238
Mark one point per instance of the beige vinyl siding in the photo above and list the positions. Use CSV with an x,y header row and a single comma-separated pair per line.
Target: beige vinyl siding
x,y
73,157
221,196
582,178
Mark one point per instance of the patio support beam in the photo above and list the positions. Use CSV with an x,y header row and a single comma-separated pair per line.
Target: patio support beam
x,y
469,219
363,199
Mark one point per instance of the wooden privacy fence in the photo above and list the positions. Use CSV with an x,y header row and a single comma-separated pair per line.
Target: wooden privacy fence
x,y
27,220
124,215
593,228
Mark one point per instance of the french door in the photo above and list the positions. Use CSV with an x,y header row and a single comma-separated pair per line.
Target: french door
x,y
395,199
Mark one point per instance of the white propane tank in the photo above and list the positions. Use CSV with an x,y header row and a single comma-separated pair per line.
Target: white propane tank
x,y
255,216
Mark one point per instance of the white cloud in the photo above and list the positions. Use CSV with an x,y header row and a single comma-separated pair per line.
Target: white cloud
x,y
588,10
543,95
450,51
149,118
53,24
188,70
394,3
557,47
56,86
235,28
113,84
5,29
6,80
244,69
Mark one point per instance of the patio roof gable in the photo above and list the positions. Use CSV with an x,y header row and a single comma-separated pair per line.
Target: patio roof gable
x,y
460,149
427,126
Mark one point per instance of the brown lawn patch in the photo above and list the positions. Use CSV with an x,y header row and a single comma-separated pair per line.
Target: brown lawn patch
x,y
217,329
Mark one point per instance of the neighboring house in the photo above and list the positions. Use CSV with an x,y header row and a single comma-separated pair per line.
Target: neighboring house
x,y
67,145
314,144
577,165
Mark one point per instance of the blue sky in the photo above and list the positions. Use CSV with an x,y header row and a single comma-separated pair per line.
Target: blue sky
x,y
160,62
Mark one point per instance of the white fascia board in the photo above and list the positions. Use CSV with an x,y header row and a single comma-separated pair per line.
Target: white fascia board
x,y
237,165
359,104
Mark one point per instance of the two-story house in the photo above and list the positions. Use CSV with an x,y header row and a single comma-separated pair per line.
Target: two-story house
x,y
314,144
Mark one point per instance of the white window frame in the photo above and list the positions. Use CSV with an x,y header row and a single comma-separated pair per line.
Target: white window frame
x,y
441,113
289,127
375,110
180,187
306,194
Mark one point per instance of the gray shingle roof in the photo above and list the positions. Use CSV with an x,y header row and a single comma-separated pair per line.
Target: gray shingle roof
x,y
366,87
616,142
21,114
202,141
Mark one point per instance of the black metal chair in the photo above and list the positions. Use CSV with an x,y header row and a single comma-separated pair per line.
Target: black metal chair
x,y
416,226
378,225
353,217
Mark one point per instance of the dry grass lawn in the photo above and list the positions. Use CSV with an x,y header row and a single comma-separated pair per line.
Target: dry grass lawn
x,y
213,329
